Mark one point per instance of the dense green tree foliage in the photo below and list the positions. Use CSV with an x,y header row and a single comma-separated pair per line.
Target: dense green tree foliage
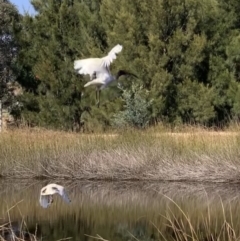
x,y
185,53
9,19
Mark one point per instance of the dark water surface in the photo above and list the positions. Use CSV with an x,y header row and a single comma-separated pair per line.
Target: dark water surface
x,y
121,210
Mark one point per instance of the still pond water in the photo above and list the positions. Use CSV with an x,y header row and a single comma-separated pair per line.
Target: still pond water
x,y
121,210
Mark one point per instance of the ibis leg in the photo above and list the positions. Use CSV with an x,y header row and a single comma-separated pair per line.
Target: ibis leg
x,y
97,97
96,93
99,94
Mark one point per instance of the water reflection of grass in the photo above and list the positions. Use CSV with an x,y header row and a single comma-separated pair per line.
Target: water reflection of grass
x,y
196,155
177,211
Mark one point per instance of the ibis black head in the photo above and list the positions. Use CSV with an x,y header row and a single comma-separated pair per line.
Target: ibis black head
x,y
124,72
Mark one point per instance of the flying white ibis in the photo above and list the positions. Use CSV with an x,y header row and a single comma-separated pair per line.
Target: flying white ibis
x,y
98,69
47,192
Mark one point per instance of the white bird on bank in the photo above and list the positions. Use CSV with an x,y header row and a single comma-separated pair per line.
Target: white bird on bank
x,y
98,69
47,192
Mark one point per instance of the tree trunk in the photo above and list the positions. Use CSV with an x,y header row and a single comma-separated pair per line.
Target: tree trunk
x,y
1,122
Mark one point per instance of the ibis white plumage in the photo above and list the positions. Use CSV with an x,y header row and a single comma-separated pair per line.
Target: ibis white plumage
x,y
47,192
92,65
102,80
98,69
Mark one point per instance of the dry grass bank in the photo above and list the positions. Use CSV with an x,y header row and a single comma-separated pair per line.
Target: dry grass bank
x,y
196,155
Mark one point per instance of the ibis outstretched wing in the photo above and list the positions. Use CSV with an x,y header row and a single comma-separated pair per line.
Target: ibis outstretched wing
x,y
91,65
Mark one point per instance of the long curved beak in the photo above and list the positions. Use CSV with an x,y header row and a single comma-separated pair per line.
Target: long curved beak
x,y
124,72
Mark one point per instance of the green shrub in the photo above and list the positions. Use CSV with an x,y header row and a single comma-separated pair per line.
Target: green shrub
x,y
136,112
